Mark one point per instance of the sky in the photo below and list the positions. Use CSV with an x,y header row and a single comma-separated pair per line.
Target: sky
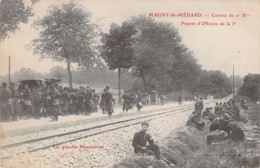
x,y
216,47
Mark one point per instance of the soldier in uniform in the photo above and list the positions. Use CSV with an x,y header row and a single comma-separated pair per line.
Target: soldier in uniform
x,y
15,103
95,100
195,120
139,104
103,102
109,101
55,103
179,100
127,103
81,99
65,101
4,98
140,142
88,97
237,134
199,106
72,101
27,97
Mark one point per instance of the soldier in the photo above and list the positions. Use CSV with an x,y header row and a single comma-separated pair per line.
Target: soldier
x,y
36,102
109,101
207,112
103,102
88,97
237,134
218,110
127,103
15,103
179,100
139,104
81,100
72,101
65,101
27,97
195,120
140,142
95,100
4,98
55,103
199,106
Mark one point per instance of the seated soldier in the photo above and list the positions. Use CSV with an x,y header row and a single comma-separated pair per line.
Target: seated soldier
x,y
223,126
194,119
206,112
140,140
237,134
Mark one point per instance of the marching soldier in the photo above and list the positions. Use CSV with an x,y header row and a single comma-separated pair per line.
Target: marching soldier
x,y
103,102
127,103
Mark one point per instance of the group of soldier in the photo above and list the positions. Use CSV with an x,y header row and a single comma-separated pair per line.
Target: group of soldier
x,y
51,101
130,99
222,118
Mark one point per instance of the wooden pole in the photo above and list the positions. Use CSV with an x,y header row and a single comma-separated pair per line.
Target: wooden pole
x,y
9,71
233,82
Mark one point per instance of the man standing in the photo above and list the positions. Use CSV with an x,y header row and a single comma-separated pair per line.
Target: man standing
x,y
95,100
4,97
126,104
140,140
55,103
179,100
88,97
109,101
199,106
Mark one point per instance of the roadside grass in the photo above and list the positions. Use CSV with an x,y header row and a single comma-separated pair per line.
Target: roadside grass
x,y
187,148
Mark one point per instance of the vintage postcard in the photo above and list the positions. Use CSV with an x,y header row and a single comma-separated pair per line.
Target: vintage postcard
x,y
120,83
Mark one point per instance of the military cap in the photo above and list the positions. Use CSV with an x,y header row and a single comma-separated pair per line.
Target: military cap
x,y
145,123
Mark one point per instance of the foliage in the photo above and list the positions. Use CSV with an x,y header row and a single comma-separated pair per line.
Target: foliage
x,y
67,34
213,83
117,48
251,87
154,46
12,13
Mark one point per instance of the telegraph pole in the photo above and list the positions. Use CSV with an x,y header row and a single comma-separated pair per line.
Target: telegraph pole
x,y
9,71
233,82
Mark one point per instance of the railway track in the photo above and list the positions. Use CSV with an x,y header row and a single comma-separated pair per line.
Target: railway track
x,y
46,142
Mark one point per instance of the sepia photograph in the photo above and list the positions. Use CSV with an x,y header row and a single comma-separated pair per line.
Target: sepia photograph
x,y
129,84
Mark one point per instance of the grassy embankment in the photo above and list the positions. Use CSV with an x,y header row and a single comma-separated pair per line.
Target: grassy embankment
x,y
187,148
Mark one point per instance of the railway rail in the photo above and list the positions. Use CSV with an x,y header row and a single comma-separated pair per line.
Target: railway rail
x,y
46,142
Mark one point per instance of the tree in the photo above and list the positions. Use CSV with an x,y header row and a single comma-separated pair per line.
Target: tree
x,y
117,49
185,70
67,34
154,47
12,13
251,87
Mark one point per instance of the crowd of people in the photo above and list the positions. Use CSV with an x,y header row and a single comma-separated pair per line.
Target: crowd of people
x,y
51,101
222,117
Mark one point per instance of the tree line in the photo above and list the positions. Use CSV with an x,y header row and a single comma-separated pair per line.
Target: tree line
x,y
152,51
